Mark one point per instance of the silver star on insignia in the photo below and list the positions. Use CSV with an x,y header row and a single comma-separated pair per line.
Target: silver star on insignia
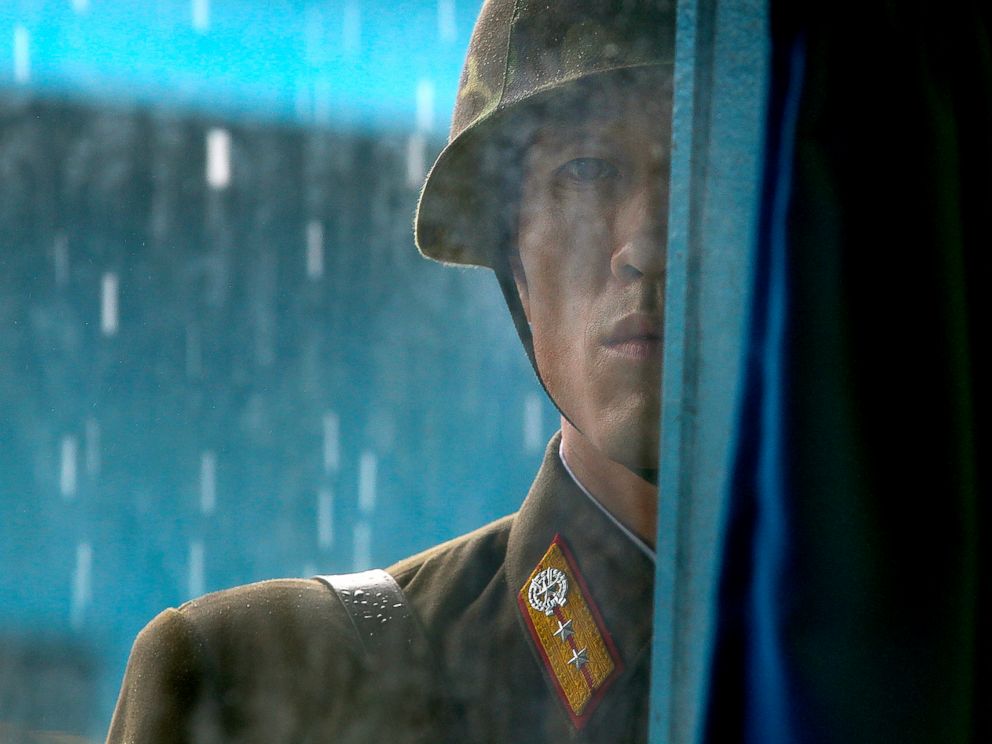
x,y
580,658
564,631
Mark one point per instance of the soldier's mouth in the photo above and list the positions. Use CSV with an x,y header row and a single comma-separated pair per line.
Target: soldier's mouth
x,y
641,348
636,336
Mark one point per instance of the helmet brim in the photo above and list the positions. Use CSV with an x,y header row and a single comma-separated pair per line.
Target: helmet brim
x,y
462,211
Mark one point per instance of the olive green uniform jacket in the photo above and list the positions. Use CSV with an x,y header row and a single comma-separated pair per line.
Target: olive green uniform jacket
x,y
278,661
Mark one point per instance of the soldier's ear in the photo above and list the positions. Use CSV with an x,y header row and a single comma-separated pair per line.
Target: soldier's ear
x,y
520,279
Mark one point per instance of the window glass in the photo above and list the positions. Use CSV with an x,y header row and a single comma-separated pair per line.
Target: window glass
x,y
224,359
221,357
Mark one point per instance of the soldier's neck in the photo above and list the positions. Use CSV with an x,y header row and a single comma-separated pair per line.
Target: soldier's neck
x,y
627,496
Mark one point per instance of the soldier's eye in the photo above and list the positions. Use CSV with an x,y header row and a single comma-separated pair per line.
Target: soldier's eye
x,y
588,170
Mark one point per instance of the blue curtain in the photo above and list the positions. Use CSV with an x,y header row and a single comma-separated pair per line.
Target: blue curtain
x,y
854,598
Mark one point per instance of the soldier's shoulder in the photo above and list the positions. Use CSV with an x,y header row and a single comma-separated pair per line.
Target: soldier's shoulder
x,y
268,625
289,608
286,642
444,580
268,617
289,642
286,603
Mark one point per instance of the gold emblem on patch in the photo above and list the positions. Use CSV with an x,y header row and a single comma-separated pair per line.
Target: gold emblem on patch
x,y
569,632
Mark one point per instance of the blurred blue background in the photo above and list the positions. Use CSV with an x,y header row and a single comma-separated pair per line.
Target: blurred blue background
x,y
221,357
367,63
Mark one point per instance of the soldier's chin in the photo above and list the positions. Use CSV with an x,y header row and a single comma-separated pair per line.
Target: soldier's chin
x,y
643,462
633,444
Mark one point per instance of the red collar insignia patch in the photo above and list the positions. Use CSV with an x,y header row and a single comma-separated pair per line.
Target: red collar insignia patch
x,y
578,653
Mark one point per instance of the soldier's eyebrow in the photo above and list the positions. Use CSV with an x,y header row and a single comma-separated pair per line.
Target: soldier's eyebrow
x,y
554,139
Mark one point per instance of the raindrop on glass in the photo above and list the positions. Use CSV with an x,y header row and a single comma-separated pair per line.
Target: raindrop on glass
x,y
325,518
68,469
218,158
195,584
200,12
416,160
366,482
425,106
315,249
60,256
351,33
22,55
92,440
108,304
446,29
81,578
332,442
208,482
363,546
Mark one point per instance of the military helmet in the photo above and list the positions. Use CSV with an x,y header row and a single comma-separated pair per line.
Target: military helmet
x,y
523,54
526,57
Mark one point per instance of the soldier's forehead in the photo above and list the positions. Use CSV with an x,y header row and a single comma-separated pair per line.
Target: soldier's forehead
x,y
610,101
605,112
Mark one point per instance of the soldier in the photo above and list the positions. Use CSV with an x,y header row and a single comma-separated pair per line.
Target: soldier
x,y
536,627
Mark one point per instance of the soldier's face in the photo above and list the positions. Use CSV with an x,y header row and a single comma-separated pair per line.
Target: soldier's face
x,y
591,261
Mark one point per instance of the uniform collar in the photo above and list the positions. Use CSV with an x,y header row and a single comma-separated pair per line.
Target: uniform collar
x,y
641,545
616,573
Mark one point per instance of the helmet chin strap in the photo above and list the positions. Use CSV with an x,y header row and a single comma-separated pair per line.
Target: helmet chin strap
x,y
504,276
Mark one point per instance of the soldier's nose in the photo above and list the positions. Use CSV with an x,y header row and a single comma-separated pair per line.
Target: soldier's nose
x,y
641,236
